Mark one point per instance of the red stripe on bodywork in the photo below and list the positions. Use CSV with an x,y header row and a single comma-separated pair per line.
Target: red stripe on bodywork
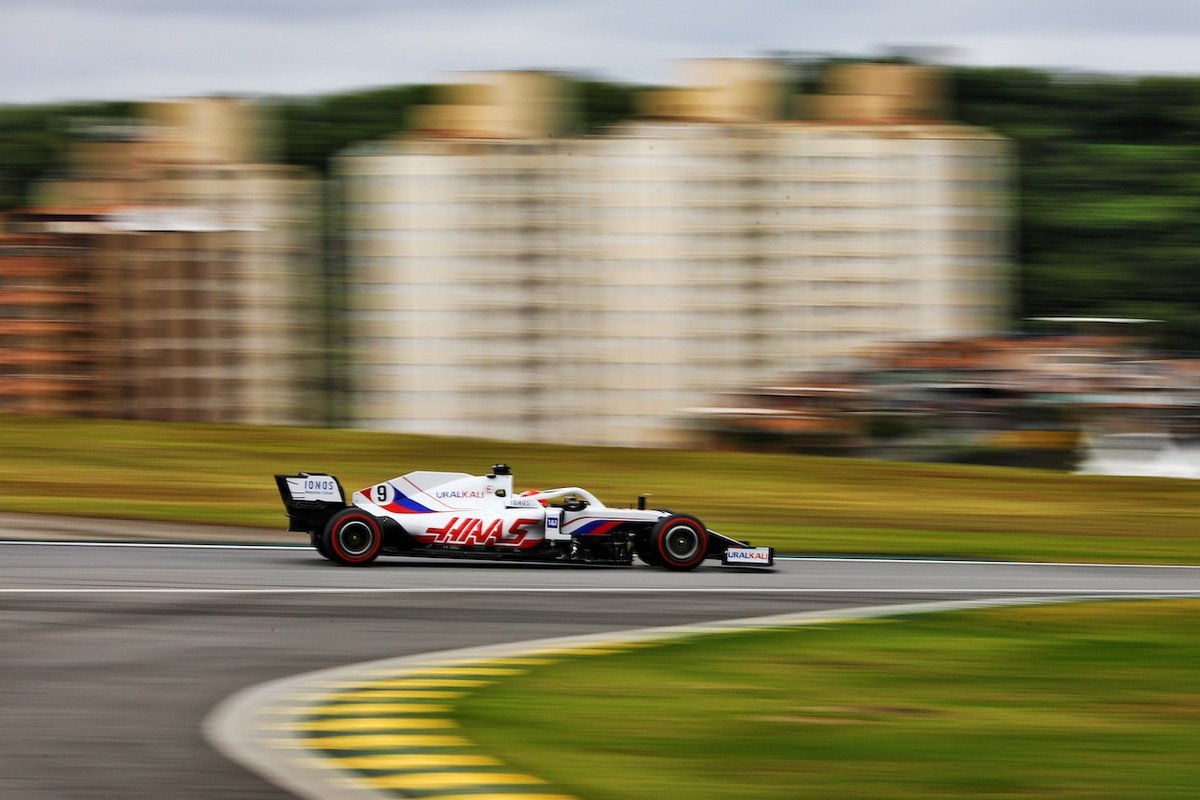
x,y
596,528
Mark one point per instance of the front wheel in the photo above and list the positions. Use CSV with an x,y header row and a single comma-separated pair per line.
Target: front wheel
x,y
646,550
352,537
679,542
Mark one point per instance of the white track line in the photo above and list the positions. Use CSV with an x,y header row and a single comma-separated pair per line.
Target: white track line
x,y
968,590
840,559
163,545
932,560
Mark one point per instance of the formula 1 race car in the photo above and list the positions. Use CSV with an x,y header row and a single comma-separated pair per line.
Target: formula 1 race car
x,y
467,516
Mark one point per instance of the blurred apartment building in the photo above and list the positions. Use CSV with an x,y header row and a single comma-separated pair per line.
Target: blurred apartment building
x,y
165,273
507,280
46,353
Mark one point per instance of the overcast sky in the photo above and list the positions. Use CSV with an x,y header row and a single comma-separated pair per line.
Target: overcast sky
x,y
142,49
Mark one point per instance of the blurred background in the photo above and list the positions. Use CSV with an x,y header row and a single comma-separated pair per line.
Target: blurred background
x,y
884,257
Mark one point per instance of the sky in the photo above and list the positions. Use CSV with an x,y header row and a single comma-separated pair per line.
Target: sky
x,y
62,50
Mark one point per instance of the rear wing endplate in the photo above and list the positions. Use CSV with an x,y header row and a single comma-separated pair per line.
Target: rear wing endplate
x,y
310,499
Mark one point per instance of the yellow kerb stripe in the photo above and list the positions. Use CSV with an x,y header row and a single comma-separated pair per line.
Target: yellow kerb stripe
x,y
397,761
392,694
481,670
450,780
344,709
377,741
414,683
363,724
489,667
499,796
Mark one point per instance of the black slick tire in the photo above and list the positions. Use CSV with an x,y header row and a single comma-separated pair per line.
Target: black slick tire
x,y
679,542
316,539
643,545
352,537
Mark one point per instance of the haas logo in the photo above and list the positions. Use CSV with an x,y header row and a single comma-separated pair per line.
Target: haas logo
x,y
472,531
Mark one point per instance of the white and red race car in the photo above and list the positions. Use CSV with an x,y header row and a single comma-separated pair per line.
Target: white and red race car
x,y
479,516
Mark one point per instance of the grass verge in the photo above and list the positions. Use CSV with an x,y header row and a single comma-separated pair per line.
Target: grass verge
x,y
222,474
1064,701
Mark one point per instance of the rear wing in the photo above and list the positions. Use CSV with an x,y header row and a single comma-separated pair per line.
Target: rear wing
x,y
310,499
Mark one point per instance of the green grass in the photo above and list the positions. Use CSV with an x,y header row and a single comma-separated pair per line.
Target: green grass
x,y
222,474
1096,700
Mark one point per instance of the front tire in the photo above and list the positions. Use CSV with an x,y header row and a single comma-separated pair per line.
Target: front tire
x,y
679,542
352,537
646,551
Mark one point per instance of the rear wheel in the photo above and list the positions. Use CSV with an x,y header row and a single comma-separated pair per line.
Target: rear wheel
x,y
315,539
679,542
352,537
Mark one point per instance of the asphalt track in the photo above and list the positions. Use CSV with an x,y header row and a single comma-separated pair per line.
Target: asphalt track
x,y
111,656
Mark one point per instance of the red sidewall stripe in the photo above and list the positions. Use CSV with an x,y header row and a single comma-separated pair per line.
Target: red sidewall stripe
x,y
370,521
671,559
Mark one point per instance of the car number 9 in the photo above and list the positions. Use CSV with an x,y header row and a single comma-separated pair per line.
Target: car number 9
x,y
382,493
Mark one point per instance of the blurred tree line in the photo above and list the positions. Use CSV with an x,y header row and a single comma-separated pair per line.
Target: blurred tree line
x,y
1109,191
1109,174
34,140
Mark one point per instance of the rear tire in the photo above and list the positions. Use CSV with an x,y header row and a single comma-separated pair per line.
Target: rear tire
x,y
315,539
679,542
352,537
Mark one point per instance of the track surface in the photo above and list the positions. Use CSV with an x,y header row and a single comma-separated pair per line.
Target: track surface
x,y
110,656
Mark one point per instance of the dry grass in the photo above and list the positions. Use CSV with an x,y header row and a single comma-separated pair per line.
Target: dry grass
x,y
222,474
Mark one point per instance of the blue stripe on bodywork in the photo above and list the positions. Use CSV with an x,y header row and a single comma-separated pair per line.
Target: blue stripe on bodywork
x,y
591,526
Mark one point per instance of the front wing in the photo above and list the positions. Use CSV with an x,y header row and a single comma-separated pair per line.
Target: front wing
x,y
735,553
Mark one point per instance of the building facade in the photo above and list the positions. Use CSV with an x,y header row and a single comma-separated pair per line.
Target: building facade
x,y
204,264
512,282
48,325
